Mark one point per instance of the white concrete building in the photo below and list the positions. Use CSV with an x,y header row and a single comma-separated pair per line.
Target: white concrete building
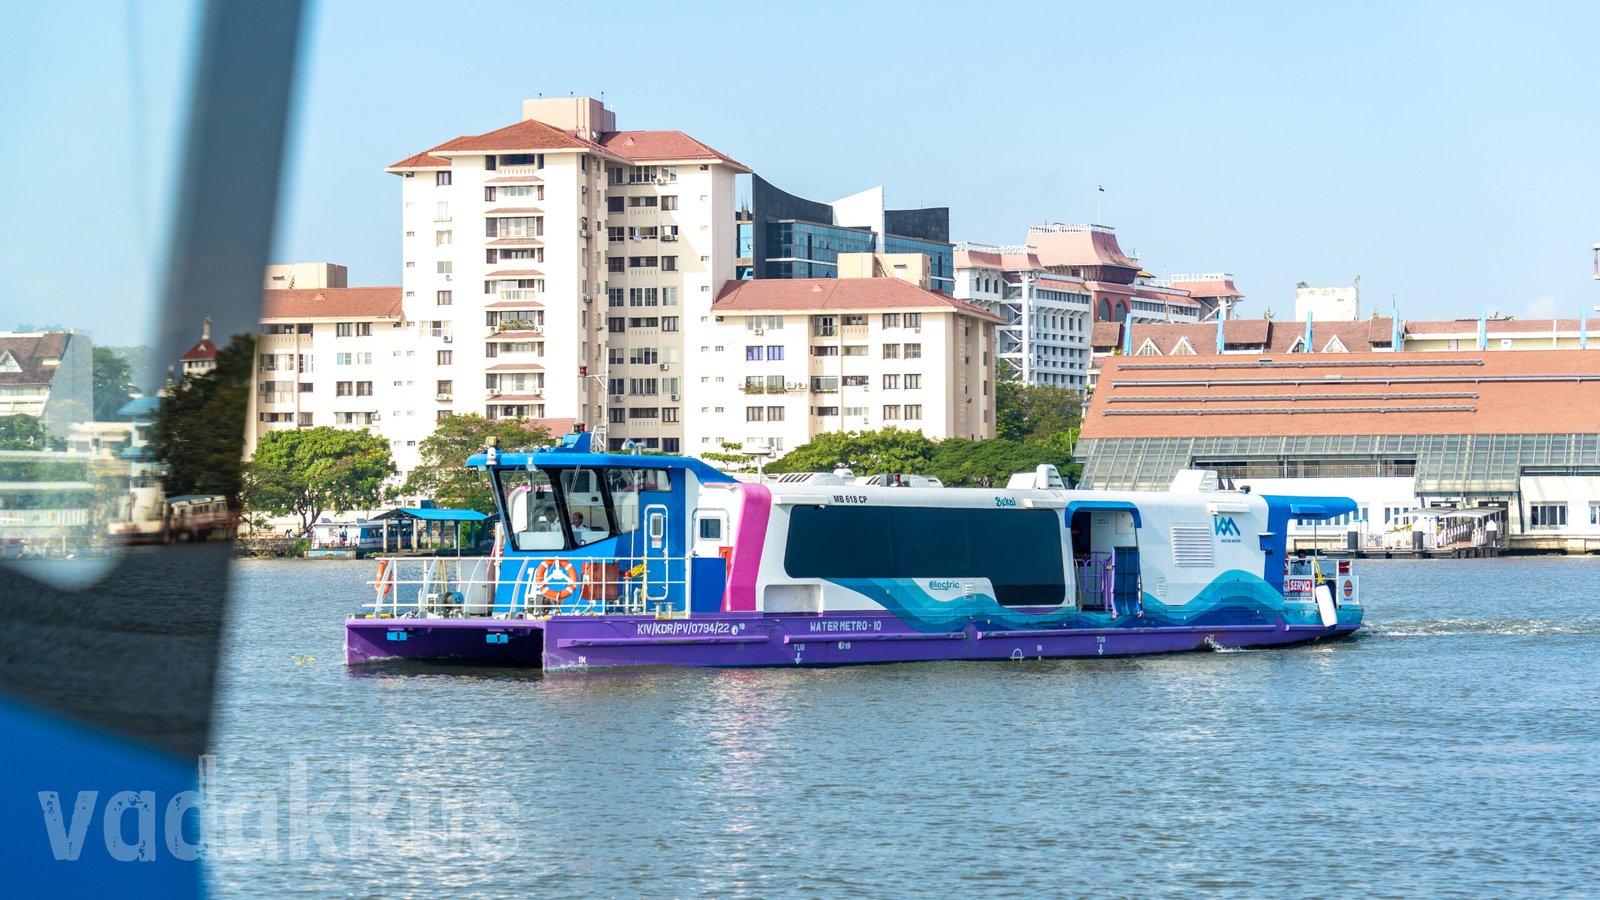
x,y
558,267
304,276
788,359
49,376
1048,316
1335,304
345,357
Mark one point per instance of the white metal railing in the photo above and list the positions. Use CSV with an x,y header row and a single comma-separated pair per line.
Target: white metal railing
x,y
508,171
448,587
518,294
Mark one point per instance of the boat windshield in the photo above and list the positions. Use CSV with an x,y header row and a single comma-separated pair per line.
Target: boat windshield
x,y
561,509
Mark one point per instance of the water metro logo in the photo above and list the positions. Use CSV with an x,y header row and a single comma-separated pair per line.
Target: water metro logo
x,y
299,811
1226,529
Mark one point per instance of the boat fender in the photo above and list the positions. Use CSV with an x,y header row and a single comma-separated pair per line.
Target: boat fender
x,y
541,578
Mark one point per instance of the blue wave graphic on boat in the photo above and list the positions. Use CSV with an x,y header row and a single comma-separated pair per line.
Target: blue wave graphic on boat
x,y
1235,597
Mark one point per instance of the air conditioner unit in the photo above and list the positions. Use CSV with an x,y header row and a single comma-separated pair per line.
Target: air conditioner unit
x,y
665,366
490,393
583,232
447,338
674,396
442,397
917,330
759,331
616,398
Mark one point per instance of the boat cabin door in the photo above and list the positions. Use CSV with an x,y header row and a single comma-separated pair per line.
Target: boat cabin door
x,y
657,580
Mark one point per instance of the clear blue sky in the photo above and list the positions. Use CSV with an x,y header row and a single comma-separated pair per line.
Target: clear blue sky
x,y
1446,153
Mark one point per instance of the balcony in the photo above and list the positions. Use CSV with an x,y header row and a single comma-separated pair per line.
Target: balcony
x,y
517,172
518,293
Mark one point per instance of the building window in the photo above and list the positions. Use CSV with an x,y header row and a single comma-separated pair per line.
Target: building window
x,y
891,320
825,411
913,351
614,204
913,411
669,201
774,414
443,357
891,351
444,298
616,264
1547,515
824,326
913,320
855,350
774,352
343,388
669,323
441,179
1594,513
753,354
825,350
363,389
344,329
444,237
669,264
669,413
755,414
445,388
891,382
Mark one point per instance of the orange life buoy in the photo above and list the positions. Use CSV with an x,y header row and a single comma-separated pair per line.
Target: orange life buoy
x,y
541,575
380,585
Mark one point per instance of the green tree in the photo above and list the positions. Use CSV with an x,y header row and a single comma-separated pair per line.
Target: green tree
x,y
1029,412
865,452
311,470
113,383
962,463
22,432
443,473
199,429
731,458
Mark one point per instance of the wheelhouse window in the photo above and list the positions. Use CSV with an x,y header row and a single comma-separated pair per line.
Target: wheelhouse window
x,y
566,508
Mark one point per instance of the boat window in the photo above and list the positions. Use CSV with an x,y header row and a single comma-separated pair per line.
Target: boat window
x,y
1019,551
532,515
586,506
626,485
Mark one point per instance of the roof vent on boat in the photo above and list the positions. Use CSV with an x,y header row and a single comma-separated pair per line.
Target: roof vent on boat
x,y
1044,477
1196,481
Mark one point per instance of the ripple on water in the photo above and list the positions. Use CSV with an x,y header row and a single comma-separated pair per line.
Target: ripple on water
x,y
1372,766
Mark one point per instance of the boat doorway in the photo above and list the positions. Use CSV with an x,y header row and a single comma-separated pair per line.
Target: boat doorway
x,y
1105,558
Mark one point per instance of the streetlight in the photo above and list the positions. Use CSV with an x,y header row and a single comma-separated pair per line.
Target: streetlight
x,y
599,430
760,455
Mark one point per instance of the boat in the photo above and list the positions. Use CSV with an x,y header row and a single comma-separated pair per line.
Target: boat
x,y
619,559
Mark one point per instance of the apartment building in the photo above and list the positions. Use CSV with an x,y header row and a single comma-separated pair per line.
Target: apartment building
x,y
1046,316
344,357
788,359
558,268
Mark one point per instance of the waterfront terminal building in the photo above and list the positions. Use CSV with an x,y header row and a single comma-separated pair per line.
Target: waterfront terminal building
x,y
1512,434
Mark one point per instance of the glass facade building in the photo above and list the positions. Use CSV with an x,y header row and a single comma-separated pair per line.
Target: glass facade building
x,y
792,237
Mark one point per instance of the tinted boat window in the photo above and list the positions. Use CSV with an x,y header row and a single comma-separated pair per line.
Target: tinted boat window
x,y
1019,551
532,516
586,506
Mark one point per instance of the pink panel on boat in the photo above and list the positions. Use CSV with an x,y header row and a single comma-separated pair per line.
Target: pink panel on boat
x,y
747,546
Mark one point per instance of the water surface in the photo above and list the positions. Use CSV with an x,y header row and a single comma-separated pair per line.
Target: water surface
x,y
1448,749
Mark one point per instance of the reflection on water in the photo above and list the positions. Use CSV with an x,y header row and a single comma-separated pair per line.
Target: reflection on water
x,y
1444,749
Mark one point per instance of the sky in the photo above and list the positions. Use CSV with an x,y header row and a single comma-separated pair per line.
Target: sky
x,y
1444,153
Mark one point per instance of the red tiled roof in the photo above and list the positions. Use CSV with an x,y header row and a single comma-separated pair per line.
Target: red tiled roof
x,y
30,351
514,304
516,367
1105,335
1096,247
1209,288
422,160
1357,337
516,242
1490,394
514,211
644,146
1165,296
332,303
200,352
518,335
972,259
1531,327
525,136
841,294
520,179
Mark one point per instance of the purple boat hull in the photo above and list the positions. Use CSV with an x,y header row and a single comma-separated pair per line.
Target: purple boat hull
x,y
756,639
